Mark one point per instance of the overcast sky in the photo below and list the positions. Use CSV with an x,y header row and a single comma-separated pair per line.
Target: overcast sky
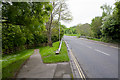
x,y
83,11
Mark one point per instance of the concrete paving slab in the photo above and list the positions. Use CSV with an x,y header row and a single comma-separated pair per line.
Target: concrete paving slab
x,y
66,76
35,68
62,68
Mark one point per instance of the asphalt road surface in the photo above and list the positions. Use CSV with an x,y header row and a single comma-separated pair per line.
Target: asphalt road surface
x,y
96,60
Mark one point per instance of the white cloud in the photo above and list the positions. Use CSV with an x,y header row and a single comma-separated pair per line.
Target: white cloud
x,y
83,11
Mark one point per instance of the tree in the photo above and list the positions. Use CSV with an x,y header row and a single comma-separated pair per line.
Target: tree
x,y
97,21
84,29
55,31
59,12
107,10
96,25
71,30
24,24
13,38
111,25
29,14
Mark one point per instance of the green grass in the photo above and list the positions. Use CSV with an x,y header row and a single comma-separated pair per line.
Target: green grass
x,y
48,53
12,62
71,34
95,39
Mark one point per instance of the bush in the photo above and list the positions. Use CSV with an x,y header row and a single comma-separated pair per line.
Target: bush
x,y
13,38
110,29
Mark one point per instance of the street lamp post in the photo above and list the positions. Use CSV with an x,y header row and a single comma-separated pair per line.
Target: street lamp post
x,y
59,32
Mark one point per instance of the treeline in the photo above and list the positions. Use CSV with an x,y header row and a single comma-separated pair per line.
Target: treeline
x,y
84,30
105,27
28,24
71,30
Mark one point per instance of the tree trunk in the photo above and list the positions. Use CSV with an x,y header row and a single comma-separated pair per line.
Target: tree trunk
x,y
48,26
49,38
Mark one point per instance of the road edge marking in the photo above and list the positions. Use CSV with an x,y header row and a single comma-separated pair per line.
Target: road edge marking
x,y
78,66
76,63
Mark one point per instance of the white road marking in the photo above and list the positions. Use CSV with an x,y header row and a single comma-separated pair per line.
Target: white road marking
x,y
101,43
86,45
89,47
102,52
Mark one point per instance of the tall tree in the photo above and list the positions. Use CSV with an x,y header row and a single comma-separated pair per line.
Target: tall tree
x,y
30,14
107,10
111,25
55,31
59,12
23,23
84,29
96,25
71,30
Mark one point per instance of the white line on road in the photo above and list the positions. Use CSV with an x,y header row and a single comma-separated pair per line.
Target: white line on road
x,y
89,47
102,52
86,46
102,44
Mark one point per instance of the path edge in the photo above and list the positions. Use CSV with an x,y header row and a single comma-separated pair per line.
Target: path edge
x,y
18,70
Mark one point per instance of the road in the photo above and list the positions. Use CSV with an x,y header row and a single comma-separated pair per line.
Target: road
x,y
96,60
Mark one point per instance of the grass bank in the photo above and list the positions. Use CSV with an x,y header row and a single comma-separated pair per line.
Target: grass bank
x,y
71,34
95,39
48,53
12,62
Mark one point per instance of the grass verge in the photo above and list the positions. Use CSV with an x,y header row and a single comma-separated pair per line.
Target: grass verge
x,y
48,53
12,62
95,39
71,34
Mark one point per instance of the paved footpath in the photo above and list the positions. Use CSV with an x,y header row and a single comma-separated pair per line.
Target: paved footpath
x,y
35,68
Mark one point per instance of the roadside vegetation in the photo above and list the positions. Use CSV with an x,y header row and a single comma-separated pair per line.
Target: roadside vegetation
x,y
48,53
32,24
70,34
102,28
27,25
95,39
12,62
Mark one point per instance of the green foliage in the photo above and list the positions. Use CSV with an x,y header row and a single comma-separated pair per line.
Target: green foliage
x,y
12,62
111,29
95,39
111,25
107,27
95,26
71,30
116,12
12,37
71,34
49,56
30,14
39,38
24,25
84,30
55,31
107,10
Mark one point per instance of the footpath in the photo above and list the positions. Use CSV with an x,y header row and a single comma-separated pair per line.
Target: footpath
x,y
36,69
